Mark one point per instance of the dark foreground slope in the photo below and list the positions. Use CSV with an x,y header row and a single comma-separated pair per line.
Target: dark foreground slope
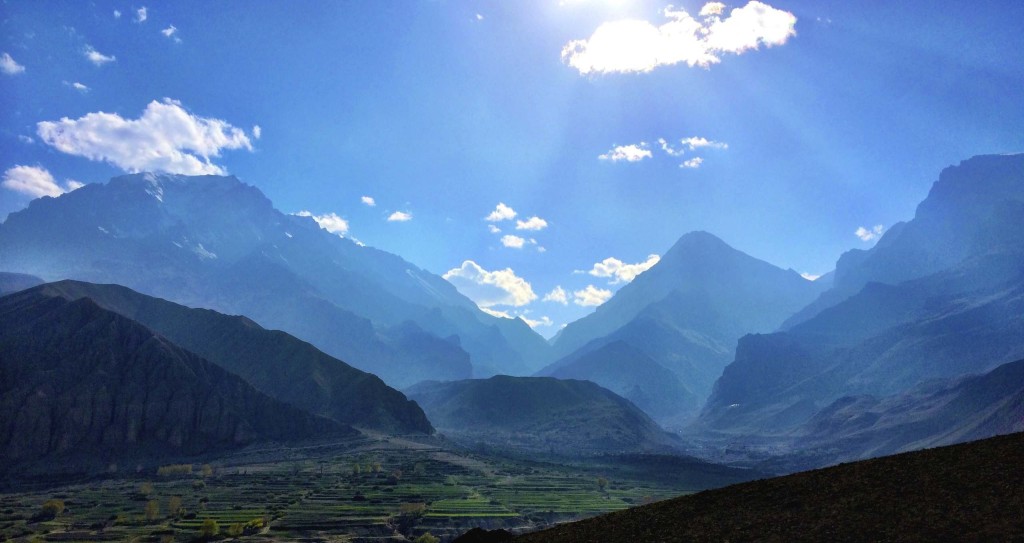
x,y
965,492
85,384
277,364
539,414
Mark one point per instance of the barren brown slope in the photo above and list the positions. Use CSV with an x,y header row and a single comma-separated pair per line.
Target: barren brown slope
x,y
969,492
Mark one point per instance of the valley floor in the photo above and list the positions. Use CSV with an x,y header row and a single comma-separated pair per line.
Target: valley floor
x,y
374,488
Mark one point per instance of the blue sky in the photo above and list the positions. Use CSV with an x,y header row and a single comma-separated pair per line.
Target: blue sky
x,y
441,110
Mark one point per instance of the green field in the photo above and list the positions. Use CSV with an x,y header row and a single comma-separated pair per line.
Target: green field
x,y
374,489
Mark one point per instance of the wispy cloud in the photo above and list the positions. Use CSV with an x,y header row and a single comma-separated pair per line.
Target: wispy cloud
x,y
501,212
97,58
330,222
621,272
172,33
10,66
591,296
512,242
533,223
557,295
692,163
490,288
165,138
866,234
36,181
630,153
640,46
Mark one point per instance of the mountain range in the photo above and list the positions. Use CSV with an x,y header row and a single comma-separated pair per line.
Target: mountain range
x,y
80,383
217,243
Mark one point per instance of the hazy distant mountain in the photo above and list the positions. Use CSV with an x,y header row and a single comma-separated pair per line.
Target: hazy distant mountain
x,y
81,381
972,209
628,372
888,337
216,242
932,414
538,414
277,364
13,282
685,314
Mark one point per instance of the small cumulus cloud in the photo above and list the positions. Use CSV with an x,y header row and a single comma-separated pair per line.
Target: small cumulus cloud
x,y
557,295
97,58
80,87
171,32
257,131
696,142
493,229
26,139
400,216
501,212
369,201
513,242
36,182
532,323
621,272
141,15
10,66
630,46
117,14
591,296
810,276
479,17
866,234
533,223
630,153
490,288
692,163
166,138
330,222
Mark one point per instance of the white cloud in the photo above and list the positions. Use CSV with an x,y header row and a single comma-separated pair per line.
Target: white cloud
x,y
96,57
712,8
36,182
141,15
514,242
330,222
557,295
696,142
26,139
619,271
810,276
165,138
501,213
693,163
117,14
80,87
639,46
400,216
493,229
533,223
479,17
542,249
171,32
869,234
368,200
591,296
496,313
543,321
669,150
488,289
10,66
630,153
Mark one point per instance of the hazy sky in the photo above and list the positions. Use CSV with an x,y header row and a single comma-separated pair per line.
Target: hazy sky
x,y
609,128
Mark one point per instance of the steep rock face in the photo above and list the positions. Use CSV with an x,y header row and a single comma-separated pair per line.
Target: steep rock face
x,y
973,208
215,242
540,414
887,337
277,364
75,378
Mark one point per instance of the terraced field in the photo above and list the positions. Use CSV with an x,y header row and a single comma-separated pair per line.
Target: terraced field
x,y
368,491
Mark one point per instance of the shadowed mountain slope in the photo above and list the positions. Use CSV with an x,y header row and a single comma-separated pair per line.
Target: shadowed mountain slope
x,y
970,492
274,362
79,381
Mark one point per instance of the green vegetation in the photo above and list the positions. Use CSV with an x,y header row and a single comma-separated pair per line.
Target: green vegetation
x,y
419,492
